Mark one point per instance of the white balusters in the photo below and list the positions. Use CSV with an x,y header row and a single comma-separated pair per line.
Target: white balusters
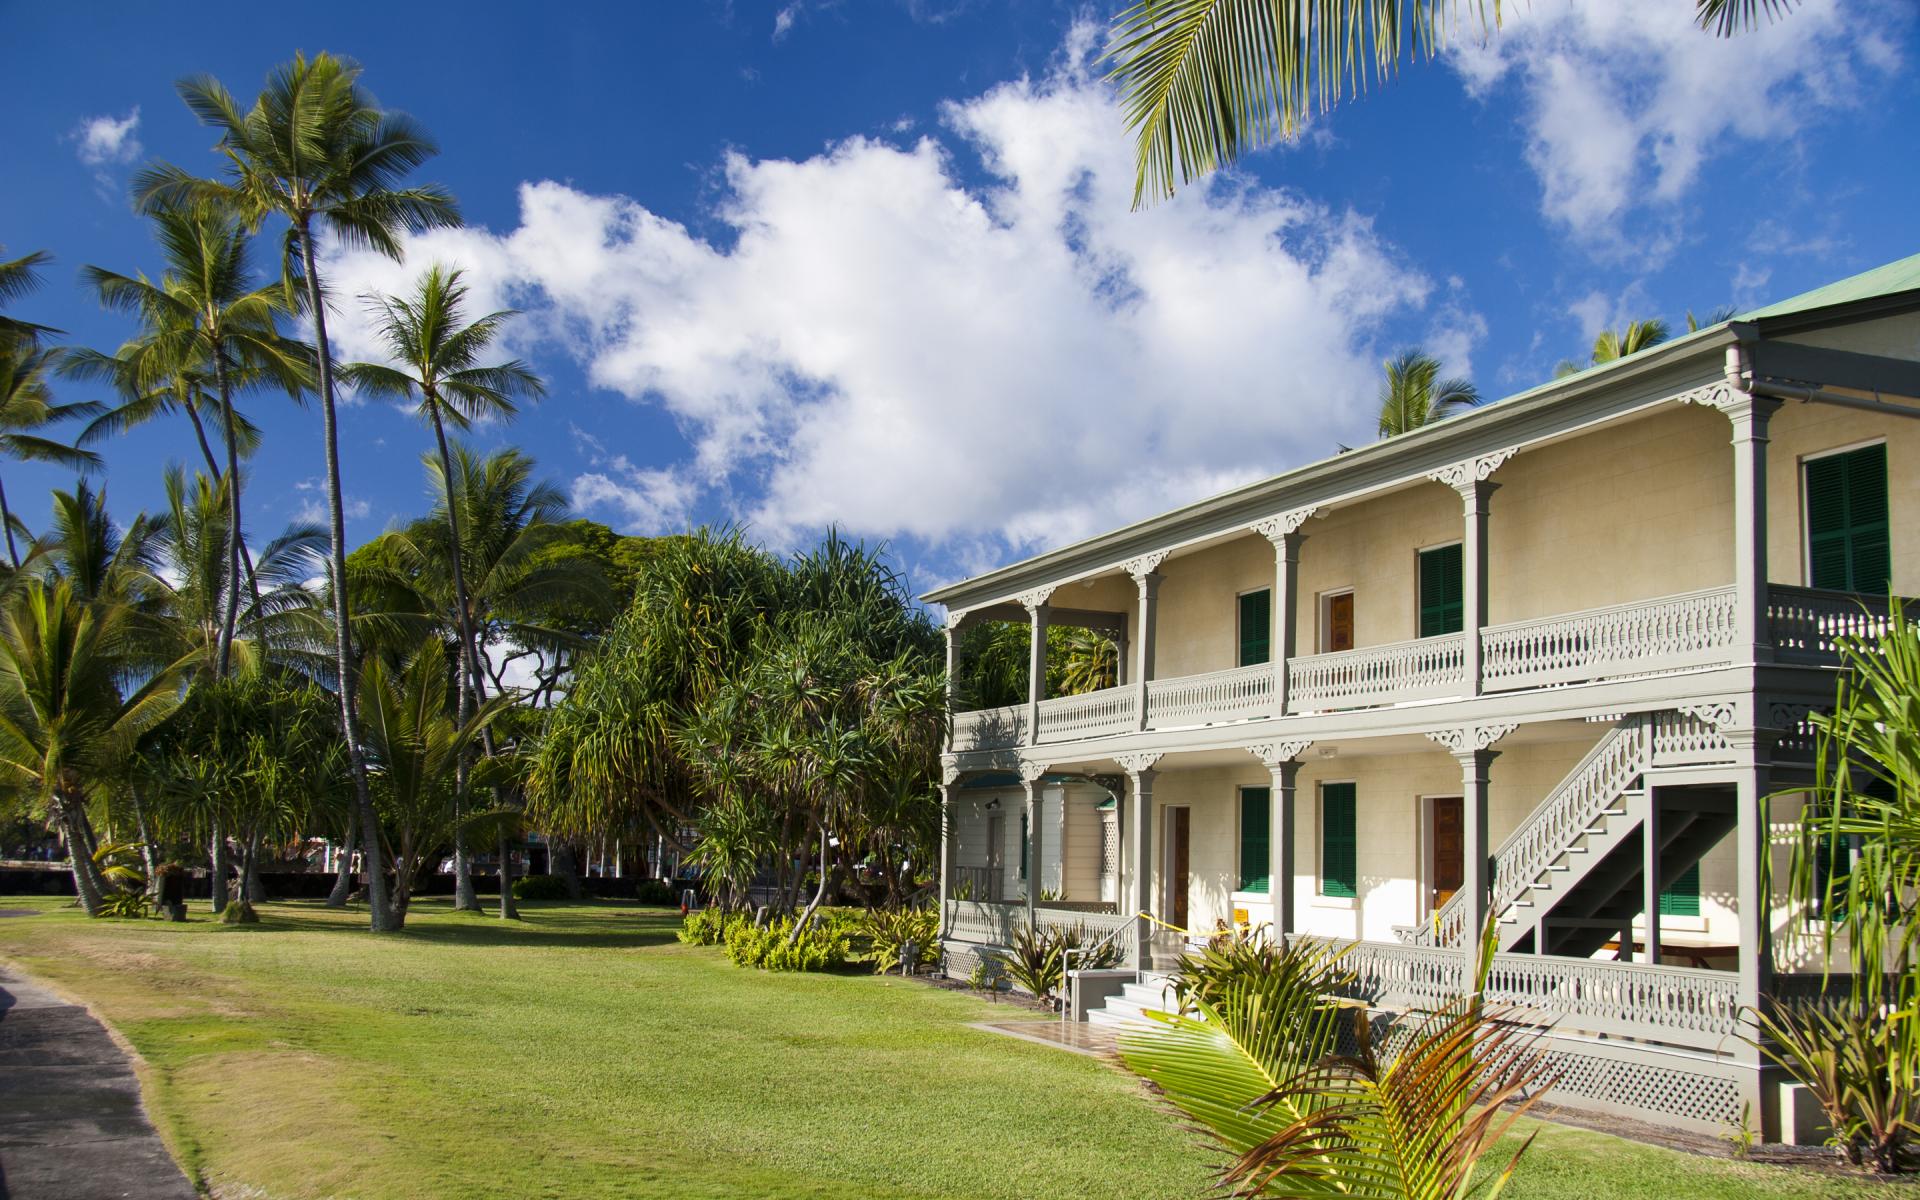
x,y
1668,634
1399,671
1234,695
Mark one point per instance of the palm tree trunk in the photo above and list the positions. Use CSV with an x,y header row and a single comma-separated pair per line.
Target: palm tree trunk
x,y
343,870
381,919
463,897
508,912
6,519
218,865
86,885
231,616
149,853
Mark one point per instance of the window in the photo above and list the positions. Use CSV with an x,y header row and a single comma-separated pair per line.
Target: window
x,y
1847,521
1256,811
1338,841
1256,627
1681,897
1441,606
1023,845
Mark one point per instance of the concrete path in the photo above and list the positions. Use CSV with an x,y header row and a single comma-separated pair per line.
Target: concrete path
x,y
71,1123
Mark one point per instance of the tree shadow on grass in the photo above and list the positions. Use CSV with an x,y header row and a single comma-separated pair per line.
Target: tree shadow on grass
x,y
571,925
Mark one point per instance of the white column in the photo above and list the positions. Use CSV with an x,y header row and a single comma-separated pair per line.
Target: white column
x,y
1032,785
1473,579
953,658
1282,760
950,776
1138,843
1477,876
1036,605
1283,532
1470,479
1146,579
1752,785
1650,873
1750,415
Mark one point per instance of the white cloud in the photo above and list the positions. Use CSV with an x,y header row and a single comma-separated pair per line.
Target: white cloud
x,y
783,21
108,141
888,347
312,509
1621,103
651,500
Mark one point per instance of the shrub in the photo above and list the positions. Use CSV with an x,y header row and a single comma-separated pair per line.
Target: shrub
x,y
653,891
887,933
820,948
1038,958
131,904
709,926
540,887
1861,1064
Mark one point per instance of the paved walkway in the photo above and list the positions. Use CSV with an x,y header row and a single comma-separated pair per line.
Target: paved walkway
x,y
71,1123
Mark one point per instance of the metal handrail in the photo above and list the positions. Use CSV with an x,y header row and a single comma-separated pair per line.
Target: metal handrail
x,y
1069,986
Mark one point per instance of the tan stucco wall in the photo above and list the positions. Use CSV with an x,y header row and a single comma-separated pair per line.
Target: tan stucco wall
x,y
1894,337
1199,612
1799,430
1628,511
1372,548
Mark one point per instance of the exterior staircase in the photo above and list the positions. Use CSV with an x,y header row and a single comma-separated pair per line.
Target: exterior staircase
x,y
1124,1008
1567,881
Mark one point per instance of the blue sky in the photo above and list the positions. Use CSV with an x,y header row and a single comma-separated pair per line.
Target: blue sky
x,y
871,264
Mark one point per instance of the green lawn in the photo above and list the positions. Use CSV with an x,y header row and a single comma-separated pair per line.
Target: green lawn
x,y
585,1053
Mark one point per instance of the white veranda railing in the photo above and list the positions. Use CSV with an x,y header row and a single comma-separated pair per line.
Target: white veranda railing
x,y
1669,634
1425,667
1090,714
1233,695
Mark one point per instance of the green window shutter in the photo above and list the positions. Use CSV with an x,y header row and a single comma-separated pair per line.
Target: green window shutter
x,y
1441,603
1023,845
1681,897
1255,822
1256,627
1339,837
1847,531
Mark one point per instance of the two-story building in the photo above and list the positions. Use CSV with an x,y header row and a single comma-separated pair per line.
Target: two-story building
x,y
1544,661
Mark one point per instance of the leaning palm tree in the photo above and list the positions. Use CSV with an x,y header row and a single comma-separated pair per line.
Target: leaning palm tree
x,y
26,409
315,150
1203,81
188,393
205,315
1610,345
1414,396
66,725
437,355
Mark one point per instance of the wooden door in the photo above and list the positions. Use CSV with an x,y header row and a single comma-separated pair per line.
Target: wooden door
x,y
1447,854
1339,622
1178,848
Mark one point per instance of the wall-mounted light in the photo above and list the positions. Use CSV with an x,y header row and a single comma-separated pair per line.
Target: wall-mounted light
x,y
993,804
1329,751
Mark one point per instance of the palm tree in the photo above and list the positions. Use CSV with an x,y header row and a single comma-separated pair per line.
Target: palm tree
x,y
1413,396
1610,345
438,354
18,277
520,564
315,150
26,408
1203,81
417,746
65,724
186,392
206,316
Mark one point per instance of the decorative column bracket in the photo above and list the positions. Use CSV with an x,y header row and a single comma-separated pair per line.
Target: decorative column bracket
x,y
1281,525
1144,565
1035,598
1138,761
1273,754
1470,738
1461,476
1030,771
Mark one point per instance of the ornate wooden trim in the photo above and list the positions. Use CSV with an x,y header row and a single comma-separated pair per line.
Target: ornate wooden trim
x,y
1145,565
1463,475
1138,761
1469,738
1280,525
1273,754
1030,771
1035,598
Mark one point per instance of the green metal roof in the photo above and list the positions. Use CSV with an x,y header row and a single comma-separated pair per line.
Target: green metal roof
x,y
1902,275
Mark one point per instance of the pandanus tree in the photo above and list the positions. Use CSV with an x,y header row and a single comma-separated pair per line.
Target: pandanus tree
x,y
436,365
206,318
315,151
1413,396
67,723
1203,82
